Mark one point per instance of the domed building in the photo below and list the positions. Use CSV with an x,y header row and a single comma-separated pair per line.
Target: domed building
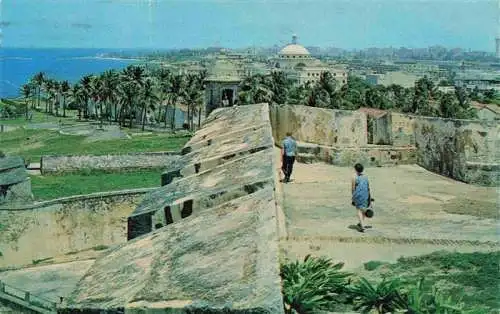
x,y
298,64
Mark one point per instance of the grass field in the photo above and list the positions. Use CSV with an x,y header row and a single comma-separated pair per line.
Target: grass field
x,y
39,117
474,276
32,144
50,187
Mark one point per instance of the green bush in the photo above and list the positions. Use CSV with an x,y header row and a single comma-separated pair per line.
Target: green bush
x,y
385,297
434,302
311,285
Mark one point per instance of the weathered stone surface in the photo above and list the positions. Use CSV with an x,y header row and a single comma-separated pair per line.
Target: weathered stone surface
x,y
195,193
10,162
403,129
226,120
124,162
371,155
15,185
223,260
47,229
461,149
319,126
219,152
13,176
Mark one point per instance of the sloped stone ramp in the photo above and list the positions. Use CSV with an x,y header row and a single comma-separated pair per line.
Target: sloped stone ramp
x,y
206,241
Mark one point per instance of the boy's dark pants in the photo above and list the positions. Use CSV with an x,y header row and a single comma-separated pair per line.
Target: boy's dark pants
x,y
287,166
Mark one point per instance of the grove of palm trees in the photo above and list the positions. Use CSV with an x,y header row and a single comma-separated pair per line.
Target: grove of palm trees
x,y
138,93
125,97
423,99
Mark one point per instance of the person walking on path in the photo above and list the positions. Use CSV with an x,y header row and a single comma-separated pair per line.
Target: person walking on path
x,y
360,194
288,151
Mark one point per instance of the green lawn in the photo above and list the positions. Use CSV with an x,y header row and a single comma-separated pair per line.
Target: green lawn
x,y
32,144
50,187
475,275
39,117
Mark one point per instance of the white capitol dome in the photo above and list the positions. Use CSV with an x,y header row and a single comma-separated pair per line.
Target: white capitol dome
x,y
294,50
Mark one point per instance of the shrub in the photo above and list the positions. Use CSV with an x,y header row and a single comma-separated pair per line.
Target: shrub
x,y
385,297
312,285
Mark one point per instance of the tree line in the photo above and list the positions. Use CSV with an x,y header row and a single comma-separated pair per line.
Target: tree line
x,y
132,94
423,98
135,93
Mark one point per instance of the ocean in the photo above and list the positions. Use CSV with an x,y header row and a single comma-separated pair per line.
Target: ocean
x,y
19,65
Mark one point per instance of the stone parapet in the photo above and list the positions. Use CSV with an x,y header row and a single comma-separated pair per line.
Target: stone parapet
x,y
123,162
39,231
369,156
208,236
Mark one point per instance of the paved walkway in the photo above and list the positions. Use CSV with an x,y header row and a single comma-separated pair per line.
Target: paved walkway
x,y
410,216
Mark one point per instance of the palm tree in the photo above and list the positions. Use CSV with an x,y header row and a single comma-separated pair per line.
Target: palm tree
x,y
193,95
279,86
149,98
110,80
163,77
26,92
39,80
85,83
65,88
126,98
176,90
57,90
254,90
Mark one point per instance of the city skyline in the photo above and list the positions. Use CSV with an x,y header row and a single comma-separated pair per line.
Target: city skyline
x,y
156,24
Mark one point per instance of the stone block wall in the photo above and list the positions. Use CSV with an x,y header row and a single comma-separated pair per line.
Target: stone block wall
x,y
15,184
382,134
402,129
124,162
319,126
58,227
182,232
369,156
465,150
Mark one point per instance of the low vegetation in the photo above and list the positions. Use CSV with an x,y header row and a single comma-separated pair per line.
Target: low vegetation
x,y
438,283
50,187
32,144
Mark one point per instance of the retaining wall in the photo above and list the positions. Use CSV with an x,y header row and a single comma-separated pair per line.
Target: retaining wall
x,y
205,236
47,229
465,150
369,156
319,126
123,162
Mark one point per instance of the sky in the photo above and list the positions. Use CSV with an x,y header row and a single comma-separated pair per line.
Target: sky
x,y
348,24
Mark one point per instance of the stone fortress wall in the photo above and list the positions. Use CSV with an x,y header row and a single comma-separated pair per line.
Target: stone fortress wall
x,y
465,150
220,205
220,200
123,162
15,184
61,226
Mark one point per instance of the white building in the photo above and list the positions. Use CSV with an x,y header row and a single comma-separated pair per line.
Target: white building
x,y
298,64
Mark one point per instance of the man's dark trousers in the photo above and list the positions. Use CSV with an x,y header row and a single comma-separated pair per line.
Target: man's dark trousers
x,y
287,166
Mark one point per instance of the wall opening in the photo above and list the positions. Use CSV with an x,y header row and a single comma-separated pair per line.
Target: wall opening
x,y
168,215
187,209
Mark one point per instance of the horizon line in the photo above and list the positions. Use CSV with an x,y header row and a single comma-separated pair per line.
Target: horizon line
x,y
248,47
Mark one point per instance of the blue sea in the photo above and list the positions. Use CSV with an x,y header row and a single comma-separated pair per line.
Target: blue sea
x,y
19,65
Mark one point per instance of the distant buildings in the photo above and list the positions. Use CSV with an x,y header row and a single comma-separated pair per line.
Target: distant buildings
x,y
483,81
299,66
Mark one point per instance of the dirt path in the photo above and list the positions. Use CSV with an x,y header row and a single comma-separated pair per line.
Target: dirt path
x,y
411,214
